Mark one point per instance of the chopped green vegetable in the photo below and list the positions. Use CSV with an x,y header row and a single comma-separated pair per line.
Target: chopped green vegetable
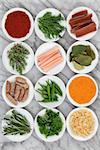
x,y
50,25
50,91
82,55
16,124
50,123
17,57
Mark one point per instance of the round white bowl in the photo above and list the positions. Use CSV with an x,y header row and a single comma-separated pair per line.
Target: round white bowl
x,y
29,60
94,18
30,95
75,103
86,69
80,138
60,83
31,28
39,33
50,138
45,47
19,138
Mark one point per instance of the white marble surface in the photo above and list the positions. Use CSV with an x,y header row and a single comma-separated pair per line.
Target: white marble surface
x,y
66,142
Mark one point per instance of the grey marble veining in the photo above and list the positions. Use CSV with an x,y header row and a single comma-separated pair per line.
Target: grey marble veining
x,y
66,142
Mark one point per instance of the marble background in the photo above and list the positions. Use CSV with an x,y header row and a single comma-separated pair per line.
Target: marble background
x,y
66,142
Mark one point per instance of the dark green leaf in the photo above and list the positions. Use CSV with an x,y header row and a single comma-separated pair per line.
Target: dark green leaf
x,y
83,60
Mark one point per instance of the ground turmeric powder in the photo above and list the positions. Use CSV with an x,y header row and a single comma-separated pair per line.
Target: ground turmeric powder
x,y
82,89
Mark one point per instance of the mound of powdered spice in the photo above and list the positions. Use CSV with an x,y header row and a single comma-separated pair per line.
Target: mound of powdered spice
x,y
82,89
17,24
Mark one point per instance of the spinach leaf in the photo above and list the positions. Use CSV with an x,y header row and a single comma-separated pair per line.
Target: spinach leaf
x,y
50,123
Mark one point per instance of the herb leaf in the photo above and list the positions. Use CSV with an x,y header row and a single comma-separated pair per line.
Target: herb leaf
x,y
82,55
50,25
16,124
17,57
50,123
83,60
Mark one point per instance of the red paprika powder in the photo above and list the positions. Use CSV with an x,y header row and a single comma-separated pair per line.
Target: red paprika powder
x,y
17,24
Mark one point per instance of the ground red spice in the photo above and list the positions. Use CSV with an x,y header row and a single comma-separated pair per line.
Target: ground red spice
x,y
17,24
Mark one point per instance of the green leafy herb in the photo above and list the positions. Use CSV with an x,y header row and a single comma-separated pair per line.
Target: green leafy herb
x,y
90,52
50,123
16,124
50,91
17,57
83,60
82,55
50,25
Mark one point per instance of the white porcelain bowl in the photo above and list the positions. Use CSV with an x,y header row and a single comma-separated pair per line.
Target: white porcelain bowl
x,y
39,32
45,47
31,28
73,101
29,60
30,95
50,138
19,138
86,69
80,138
94,18
43,80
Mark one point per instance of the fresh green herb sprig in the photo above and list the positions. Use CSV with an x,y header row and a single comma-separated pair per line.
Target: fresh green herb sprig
x,y
50,25
50,91
82,55
50,123
17,57
16,124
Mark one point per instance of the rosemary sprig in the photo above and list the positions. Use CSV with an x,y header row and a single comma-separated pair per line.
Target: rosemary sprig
x,y
16,124
17,57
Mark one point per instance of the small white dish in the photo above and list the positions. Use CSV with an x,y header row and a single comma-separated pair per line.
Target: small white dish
x,y
19,138
94,18
29,60
42,81
30,95
50,138
73,101
45,47
80,138
86,69
4,20
39,32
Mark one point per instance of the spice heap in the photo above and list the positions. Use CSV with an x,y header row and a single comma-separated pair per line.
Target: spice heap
x,y
82,123
17,24
81,23
81,56
82,89
17,91
50,25
50,123
50,59
18,55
